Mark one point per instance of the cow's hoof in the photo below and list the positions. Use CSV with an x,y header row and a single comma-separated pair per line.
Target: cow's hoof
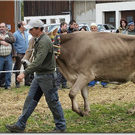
x,y
131,111
87,113
81,112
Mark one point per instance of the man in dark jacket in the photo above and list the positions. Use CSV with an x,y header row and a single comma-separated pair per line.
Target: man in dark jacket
x,y
44,81
72,26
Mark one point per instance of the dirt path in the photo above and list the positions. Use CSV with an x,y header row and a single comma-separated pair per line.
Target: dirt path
x,y
11,103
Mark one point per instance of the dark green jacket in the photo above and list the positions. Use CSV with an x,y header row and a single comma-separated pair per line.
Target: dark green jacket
x,y
44,58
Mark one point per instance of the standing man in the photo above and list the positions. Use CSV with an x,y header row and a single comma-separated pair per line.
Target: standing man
x,y
72,26
6,40
63,25
131,29
21,46
44,65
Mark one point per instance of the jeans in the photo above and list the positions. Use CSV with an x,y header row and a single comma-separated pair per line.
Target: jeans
x,y
61,79
43,84
17,66
92,83
6,62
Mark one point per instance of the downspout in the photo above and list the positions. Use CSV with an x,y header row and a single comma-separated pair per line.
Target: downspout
x,y
15,15
85,11
70,10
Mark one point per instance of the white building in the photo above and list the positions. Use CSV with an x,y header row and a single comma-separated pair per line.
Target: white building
x,y
113,12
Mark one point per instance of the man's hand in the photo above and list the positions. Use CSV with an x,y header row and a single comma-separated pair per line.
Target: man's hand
x,y
4,43
1,37
20,77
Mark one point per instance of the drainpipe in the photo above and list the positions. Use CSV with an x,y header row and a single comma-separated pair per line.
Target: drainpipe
x,y
85,12
70,10
15,15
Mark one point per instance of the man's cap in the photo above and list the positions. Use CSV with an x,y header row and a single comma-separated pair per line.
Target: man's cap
x,y
131,23
34,23
93,24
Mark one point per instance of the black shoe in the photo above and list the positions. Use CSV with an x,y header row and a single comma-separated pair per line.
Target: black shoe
x,y
58,131
14,128
105,86
17,85
9,88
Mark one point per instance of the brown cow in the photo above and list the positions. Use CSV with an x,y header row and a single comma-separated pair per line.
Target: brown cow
x,y
86,56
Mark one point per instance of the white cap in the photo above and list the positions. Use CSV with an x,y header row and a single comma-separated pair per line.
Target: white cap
x,y
93,24
34,23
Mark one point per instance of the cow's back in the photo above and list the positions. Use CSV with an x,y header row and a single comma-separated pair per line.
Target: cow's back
x,y
109,56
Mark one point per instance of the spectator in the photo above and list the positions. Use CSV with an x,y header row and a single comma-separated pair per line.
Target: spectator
x,y
64,31
6,40
94,28
77,27
123,25
2,79
63,25
72,26
131,29
28,57
60,78
21,46
44,65
83,28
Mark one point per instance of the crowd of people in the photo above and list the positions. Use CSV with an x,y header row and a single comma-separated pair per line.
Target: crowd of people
x,y
15,45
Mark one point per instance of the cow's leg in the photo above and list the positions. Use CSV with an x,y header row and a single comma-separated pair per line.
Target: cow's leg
x,y
132,110
85,95
81,81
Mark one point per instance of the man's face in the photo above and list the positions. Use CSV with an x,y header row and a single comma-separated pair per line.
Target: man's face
x,y
131,27
64,26
3,28
93,28
34,32
73,25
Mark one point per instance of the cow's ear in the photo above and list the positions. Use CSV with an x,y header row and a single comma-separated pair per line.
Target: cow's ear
x,y
55,31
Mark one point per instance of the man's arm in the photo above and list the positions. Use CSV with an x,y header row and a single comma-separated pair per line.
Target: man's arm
x,y
11,38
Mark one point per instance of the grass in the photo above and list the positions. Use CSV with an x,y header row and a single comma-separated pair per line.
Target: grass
x,y
104,118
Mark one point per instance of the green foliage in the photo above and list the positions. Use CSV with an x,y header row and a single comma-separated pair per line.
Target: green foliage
x,y
102,119
22,10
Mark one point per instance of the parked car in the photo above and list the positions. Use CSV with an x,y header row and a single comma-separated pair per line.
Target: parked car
x,y
84,24
106,28
50,27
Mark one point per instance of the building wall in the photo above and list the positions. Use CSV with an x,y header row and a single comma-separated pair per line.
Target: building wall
x,y
47,8
118,8
7,14
84,11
